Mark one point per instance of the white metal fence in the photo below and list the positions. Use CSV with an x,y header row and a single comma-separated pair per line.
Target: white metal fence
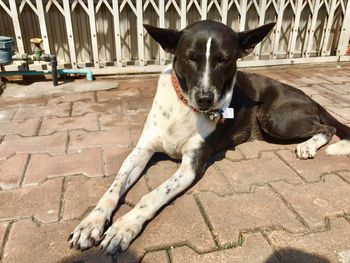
x,y
108,34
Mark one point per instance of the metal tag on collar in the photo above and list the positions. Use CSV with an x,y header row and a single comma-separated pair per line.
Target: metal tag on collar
x,y
215,115
228,113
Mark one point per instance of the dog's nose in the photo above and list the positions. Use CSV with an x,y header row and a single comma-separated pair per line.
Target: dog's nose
x,y
204,100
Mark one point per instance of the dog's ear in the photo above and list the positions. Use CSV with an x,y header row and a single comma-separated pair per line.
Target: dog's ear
x,y
167,38
249,39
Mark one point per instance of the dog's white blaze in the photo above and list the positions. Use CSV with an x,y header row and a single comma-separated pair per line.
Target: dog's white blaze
x,y
207,64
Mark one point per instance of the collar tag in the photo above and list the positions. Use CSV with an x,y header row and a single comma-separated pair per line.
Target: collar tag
x,y
228,113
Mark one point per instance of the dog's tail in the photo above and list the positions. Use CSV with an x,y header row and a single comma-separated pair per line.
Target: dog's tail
x,y
342,131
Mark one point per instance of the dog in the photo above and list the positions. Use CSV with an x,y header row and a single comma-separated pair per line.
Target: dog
x,y
204,105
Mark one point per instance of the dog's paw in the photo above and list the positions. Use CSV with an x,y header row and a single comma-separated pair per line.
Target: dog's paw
x,y
88,233
306,150
119,235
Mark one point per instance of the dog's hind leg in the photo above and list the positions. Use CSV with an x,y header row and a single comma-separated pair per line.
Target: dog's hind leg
x,y
307,149
293,122
89,231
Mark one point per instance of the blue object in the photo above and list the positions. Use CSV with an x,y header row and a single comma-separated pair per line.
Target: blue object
x,y
5,50
83,71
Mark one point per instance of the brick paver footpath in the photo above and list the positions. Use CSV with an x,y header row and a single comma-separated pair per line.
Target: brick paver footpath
x,y
259,203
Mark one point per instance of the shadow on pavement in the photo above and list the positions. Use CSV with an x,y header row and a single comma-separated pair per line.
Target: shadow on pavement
x,y
94,256
295,256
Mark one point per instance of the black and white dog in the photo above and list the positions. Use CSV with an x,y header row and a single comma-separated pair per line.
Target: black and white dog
x,y
203,105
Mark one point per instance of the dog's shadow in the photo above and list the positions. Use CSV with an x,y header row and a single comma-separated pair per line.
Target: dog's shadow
x,y
94,255
292,255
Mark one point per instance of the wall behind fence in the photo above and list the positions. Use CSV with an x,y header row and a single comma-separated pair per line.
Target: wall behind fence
x,y
108,34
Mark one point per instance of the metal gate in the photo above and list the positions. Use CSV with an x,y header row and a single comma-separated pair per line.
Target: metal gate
x,y
108,35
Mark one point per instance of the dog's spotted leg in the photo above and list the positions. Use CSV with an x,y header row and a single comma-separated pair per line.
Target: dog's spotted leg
x,y
89,231
125,229
307,150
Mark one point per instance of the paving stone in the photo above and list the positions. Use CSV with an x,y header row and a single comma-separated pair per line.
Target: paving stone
x,y
81,108
321,99
231,215
342,112
7,114
116,94
312,170
245,175
23,127
29,243
253,149
135,132
345,176
113,158
42,202
42,166
166,230
339,89
3,228
82,194
13,101
310,81
343,100
60,110
11,170
211,181
255,249
315,202
111,121
88,122
234,155
54,144
326,246
158,173
118,136
335,78
156,257
80,97
133,104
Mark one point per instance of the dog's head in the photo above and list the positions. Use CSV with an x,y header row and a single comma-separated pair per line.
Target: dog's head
x,y
205,56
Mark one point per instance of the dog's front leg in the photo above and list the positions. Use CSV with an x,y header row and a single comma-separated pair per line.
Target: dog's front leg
x,y
89,231
125,229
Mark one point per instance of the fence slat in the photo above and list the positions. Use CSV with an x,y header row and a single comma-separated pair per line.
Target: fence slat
x,y
70,36
204,8
257,49
278,28
16,26
116,23
92,20
161,7
243,15
310,39
332,9
224,10
345,32
183,21
140,37
295,29
42,23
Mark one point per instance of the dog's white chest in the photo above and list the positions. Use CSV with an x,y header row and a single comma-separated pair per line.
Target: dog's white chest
x,y
177,127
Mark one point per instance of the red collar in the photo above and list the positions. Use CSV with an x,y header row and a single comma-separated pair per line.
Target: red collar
x,y
177,88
